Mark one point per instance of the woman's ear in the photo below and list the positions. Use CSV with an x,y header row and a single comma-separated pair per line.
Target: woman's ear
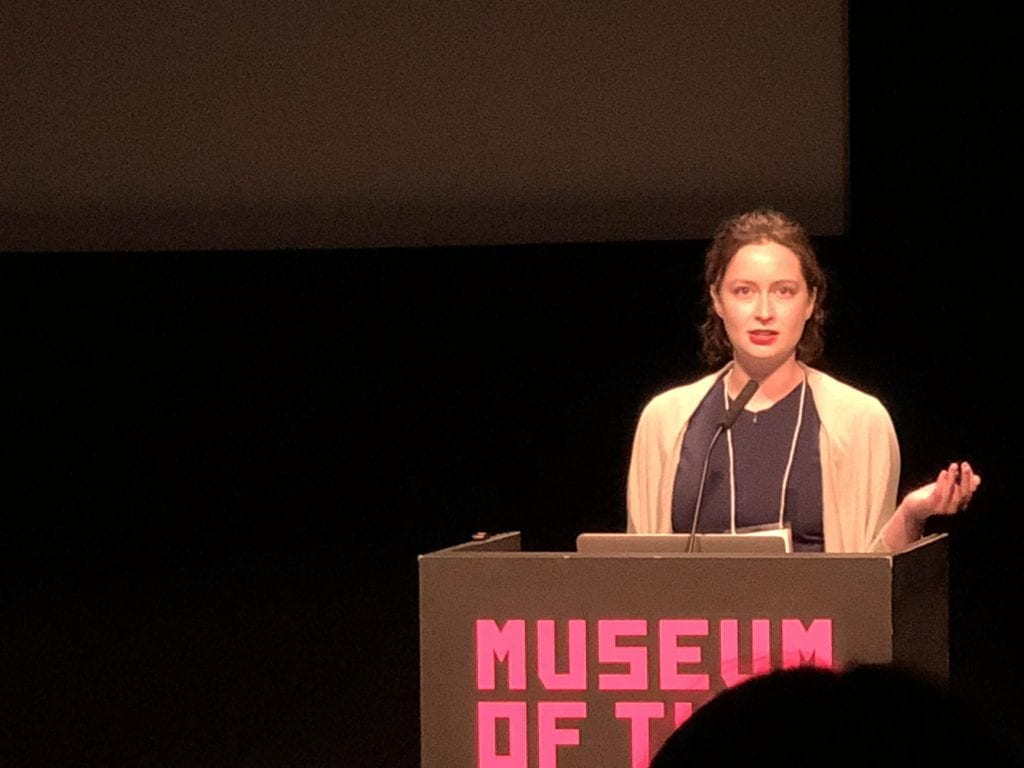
x,y
716,301
811,304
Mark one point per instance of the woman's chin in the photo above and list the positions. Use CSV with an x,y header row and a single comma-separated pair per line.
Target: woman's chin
x,y
763,361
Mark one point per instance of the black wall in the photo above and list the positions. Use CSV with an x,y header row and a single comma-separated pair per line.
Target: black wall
x,y
225,463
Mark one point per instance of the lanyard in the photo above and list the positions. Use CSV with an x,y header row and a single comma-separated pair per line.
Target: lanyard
x,y
789,462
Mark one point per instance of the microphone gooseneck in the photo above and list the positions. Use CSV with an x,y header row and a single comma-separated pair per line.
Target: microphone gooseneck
x,y
724,423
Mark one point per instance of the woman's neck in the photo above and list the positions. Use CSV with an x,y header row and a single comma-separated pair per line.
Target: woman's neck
x,y
773,383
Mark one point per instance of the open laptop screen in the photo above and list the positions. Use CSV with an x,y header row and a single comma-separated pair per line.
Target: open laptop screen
x,y
774,541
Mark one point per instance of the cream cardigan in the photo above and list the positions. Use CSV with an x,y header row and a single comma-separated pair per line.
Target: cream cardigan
x,y
860,461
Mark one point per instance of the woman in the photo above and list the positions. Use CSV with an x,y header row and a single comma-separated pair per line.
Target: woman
x,y
808,450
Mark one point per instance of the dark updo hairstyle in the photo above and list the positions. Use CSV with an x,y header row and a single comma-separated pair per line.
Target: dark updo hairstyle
x,y
761,226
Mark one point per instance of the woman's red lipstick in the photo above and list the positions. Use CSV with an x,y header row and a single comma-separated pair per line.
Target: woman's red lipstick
x,y
762,338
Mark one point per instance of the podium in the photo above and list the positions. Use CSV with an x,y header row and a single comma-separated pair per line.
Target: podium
x,y
545,659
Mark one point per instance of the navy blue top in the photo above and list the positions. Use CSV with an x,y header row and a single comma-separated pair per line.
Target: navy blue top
x,y
761,443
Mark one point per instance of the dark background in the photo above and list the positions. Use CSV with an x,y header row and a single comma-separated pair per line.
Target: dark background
x,y
225,463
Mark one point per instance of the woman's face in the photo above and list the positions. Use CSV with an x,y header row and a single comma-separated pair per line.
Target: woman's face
x,y
764,303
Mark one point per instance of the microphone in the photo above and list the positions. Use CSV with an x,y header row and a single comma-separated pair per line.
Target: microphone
x,y
724,423
730,416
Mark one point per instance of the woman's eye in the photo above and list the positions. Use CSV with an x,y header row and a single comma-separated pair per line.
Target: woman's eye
x,y
787,290
742,290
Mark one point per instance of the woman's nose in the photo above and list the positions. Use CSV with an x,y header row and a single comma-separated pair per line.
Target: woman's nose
x,y
765,309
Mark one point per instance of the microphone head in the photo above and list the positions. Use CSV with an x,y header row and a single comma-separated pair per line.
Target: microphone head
x,y
748,391
734,411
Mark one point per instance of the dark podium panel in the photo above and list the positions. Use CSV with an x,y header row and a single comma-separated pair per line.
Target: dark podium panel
x,y
547,659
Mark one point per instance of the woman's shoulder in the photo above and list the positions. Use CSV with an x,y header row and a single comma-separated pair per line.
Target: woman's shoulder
x,y
681,400
840,402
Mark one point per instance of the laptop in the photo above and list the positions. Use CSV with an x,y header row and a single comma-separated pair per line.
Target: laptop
x,y
768,541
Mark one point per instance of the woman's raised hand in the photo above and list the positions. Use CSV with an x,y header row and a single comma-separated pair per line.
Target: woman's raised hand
x,y
951,492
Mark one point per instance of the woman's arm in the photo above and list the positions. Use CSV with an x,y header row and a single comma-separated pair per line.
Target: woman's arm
x,y
950,492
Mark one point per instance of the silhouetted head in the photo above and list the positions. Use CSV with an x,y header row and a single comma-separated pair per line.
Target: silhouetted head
x,y
878,714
